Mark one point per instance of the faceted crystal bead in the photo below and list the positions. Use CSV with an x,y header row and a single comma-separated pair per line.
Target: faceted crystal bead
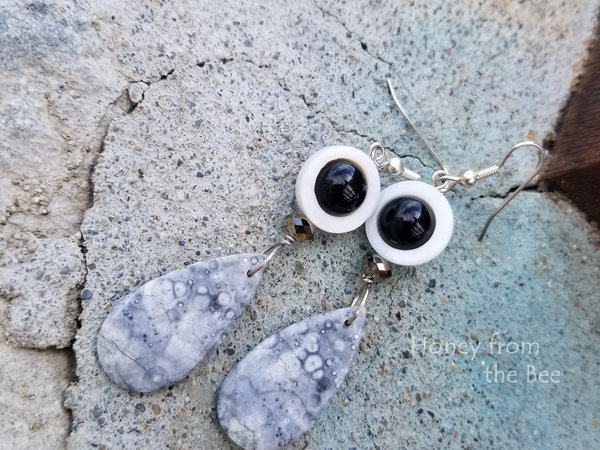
x,y
299,227
377,267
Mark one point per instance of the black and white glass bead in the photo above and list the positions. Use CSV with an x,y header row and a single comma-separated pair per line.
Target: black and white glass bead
x,y
338,188
412,223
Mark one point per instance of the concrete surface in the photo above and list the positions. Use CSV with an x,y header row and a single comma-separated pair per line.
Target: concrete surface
x,y
168,132
42,278
32,386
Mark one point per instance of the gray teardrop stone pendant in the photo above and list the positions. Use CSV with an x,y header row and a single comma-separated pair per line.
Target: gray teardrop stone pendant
x,y
278,390
160,332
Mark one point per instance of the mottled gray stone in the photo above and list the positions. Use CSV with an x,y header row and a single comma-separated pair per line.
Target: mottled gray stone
x,y
161,331
280,388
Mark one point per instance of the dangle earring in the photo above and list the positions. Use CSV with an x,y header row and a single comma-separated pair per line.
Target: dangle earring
x,y
279,389
157,334
413,221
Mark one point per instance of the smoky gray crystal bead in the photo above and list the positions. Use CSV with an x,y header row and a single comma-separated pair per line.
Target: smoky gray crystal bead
x,y
276,393
377,267
299,227
159,333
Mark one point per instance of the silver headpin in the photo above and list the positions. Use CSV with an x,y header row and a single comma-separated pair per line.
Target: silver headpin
x,y
444,182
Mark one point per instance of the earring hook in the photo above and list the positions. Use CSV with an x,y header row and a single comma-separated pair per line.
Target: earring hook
x,y
444,182
437,158
541,161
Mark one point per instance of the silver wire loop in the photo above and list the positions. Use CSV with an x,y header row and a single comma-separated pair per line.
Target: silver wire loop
x,y
381,158
271,252
379,155
442,181
541,161
360,298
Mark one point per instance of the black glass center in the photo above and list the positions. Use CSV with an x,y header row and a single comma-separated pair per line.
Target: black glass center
x,y
406,223
340,187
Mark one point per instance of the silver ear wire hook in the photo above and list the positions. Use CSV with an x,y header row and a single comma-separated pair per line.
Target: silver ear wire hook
x,y
540,165
437,158
444,182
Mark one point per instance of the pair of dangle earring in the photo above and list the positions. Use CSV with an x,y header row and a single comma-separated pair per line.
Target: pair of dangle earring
x,y
338,189
157,334
160,332
277,391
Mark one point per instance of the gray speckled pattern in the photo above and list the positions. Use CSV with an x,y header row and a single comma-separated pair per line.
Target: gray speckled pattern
x,y
280,388
161,331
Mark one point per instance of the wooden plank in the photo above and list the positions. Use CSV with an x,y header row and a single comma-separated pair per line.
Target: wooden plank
x,y
574,166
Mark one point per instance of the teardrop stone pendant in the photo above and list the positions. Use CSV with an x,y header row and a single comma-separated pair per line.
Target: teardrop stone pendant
x,y
160,332
280,388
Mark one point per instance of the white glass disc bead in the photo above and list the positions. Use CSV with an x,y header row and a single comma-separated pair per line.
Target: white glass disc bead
x,y
307,199
444,224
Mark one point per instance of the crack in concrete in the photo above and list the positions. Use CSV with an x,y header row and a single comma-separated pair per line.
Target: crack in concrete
x,y
123,102
120,106
152,81
532,189
407,155
332,122
363,44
